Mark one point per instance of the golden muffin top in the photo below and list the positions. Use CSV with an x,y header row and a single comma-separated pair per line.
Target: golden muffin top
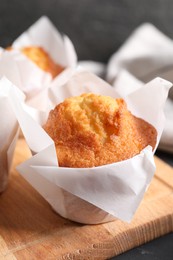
x,y
92,130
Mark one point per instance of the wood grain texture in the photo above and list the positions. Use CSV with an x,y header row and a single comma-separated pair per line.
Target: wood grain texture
x,y
30,229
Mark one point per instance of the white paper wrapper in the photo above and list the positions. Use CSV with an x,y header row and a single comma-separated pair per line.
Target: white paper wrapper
x,y
98,68
1,50
100,194
146,54
125,83
9,129
44,34
25,74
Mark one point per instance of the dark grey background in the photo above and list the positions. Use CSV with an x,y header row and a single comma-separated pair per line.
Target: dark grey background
x,y
97,28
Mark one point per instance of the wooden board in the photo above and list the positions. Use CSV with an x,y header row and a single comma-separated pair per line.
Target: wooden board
x,y
30,229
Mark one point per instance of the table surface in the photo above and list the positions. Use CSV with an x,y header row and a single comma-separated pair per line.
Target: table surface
x,y
29,227
160,248
91,22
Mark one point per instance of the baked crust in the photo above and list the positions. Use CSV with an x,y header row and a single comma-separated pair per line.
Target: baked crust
x,y
92,130
41,58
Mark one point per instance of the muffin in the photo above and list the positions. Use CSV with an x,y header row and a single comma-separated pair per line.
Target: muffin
x,y
92,130
42,59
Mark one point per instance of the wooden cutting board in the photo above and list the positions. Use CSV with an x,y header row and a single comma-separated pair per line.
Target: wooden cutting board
x,y
30,229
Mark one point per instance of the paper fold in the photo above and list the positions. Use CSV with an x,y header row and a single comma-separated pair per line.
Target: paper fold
x,y
24,73
146,54
44,34
9,129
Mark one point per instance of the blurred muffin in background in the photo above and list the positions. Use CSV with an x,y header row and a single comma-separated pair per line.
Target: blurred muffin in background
x,y
42,59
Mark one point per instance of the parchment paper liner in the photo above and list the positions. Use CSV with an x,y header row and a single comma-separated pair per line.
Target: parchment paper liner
x,y
126,83
116,189
9,130
95,67
25,74
146,53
